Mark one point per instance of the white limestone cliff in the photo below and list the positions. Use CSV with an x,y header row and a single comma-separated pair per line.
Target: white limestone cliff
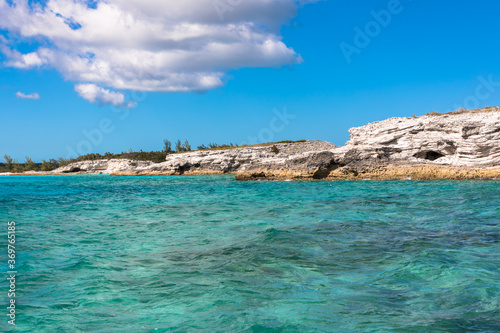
x,y
463,139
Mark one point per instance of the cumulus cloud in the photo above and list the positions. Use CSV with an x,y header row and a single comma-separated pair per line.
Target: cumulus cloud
x,y
95,94
154,45
27,96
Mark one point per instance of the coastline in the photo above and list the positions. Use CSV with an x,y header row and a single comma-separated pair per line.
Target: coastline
x,y
416,173
460,145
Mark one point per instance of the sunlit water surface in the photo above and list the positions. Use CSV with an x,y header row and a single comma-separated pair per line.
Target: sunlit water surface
x,y
209,254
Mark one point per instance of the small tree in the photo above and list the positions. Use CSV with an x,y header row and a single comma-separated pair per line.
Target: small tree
x,y
46,166
29,164
8,161
16,167
187,145
178,146
63,162
168,146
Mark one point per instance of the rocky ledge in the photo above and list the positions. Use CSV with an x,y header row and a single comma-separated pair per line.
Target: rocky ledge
x,y
460,145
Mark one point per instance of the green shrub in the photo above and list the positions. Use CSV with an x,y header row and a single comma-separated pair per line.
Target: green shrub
x,y
8,161
63,162
178,146
187,146
167,146
432,113
46,166
29,165
217,146
290,141
16,167
461,110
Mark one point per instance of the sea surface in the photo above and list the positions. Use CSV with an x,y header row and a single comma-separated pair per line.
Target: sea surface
x,y
210,254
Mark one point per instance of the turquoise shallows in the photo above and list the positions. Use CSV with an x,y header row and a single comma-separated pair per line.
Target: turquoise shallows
x,y
210,254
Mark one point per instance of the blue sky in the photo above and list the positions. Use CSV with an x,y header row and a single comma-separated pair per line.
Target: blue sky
x,y
430,56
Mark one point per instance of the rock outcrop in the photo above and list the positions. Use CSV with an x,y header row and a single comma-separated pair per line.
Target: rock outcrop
x,y
457,146
470,139
104,166
308,159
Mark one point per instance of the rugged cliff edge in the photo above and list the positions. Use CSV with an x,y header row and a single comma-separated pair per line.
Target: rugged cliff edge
x,y
457,146
300,160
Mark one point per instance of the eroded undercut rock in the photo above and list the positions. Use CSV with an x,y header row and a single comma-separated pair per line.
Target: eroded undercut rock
x,y
460,145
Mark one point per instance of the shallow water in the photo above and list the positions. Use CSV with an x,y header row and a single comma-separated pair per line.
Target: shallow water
x,y
209,254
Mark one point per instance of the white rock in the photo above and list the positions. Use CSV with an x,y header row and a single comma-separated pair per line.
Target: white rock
x,y
464,139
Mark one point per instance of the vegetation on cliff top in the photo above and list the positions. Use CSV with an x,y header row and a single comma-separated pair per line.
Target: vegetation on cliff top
x,y
463,110
12,165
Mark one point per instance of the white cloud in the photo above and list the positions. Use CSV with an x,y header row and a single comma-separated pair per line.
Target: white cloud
x,y
27,96
155,45
95,94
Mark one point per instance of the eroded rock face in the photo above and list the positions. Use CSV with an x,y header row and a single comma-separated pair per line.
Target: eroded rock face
x,y
470,140
305,157
467,139
104,166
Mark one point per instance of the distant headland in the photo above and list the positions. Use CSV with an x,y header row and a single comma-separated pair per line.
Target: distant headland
x,y
464,144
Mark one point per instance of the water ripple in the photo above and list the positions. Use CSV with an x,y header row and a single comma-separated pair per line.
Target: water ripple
x,y
208,254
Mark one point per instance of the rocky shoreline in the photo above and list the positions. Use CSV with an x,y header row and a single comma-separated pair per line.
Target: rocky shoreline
x,y
460,145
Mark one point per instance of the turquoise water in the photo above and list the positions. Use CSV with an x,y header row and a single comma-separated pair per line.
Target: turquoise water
x,y
209,254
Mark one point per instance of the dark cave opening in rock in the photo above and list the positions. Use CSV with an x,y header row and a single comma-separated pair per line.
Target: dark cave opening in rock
x,y
429,155
75,169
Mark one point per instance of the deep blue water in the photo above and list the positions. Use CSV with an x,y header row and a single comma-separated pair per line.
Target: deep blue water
x,y
209,254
